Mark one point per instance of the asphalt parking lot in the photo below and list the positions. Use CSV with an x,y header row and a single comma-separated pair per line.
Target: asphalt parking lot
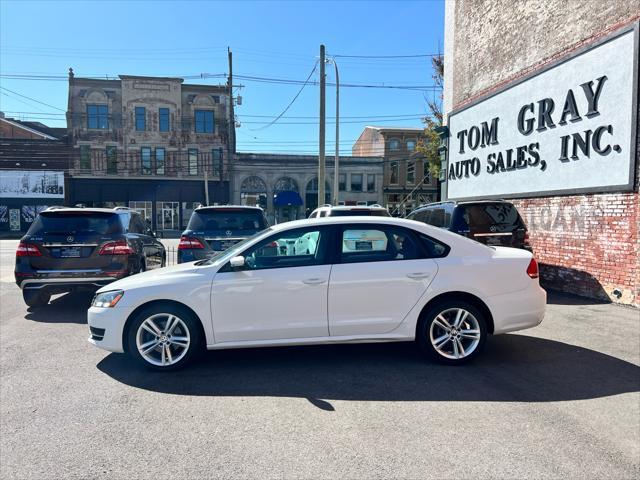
x,y
558,401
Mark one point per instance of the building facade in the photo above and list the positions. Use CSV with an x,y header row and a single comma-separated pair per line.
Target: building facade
x,y
151,143
34,161
546,113
286,186
407,182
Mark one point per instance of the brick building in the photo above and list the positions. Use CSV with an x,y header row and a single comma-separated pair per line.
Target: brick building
x,y
546,113
148,143
407,183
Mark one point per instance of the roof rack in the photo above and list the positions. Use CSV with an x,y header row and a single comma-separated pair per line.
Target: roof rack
x,y
122,208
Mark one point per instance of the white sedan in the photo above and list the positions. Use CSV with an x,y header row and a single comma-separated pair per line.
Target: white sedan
x,y
362,279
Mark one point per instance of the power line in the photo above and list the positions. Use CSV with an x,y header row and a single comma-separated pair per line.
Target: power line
x,y
422,55
32,99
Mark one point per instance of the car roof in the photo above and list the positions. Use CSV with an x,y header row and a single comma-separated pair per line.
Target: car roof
x,y
227,207
350,207
463,202
86,209
309,222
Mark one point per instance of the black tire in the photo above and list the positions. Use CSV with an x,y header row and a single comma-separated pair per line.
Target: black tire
x,y
35,298
189,322
447,352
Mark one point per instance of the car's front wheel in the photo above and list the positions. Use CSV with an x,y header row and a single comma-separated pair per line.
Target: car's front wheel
x,y
452,332
164,337
35,298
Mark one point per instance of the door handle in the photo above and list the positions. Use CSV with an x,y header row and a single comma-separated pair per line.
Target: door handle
x,y
314,281
418,275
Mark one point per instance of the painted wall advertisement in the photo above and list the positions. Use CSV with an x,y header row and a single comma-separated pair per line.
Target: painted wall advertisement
x,y
568,129
31,184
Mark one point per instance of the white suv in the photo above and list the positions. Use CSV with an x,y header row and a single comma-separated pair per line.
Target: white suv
x,y
350,211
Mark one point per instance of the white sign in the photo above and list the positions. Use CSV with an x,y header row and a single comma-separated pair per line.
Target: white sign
x,y
31,184
567,129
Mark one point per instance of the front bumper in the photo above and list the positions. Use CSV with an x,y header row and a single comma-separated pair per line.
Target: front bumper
x,y
112,322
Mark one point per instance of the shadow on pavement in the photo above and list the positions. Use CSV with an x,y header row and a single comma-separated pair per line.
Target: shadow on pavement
x,y
560,298
513,368
67,308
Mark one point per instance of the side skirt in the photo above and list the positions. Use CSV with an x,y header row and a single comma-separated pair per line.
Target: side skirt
x,y
312,341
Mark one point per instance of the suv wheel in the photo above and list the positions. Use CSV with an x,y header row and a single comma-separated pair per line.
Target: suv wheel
x,y
452,332
35,298
164,337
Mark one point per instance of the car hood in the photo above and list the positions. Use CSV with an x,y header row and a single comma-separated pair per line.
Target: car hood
x,y
164,275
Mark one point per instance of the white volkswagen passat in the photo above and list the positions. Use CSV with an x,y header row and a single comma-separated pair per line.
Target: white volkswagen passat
x,y
362,279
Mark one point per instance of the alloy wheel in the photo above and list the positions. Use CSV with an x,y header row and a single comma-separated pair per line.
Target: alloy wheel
x,y
455,333
163,339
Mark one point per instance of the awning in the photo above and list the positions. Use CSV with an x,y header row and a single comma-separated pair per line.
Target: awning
x,y
286,198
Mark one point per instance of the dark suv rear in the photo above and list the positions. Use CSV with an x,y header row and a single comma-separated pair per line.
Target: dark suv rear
x,y
82,248
492,222
214,229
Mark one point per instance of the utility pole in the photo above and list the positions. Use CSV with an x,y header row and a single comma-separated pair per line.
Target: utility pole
x,y
206,179
321,175
232,116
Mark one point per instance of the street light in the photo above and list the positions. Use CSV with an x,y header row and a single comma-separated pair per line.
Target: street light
x,y
336,182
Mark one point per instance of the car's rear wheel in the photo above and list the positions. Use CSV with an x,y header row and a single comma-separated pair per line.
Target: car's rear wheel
x,y
35,298
452,332
164,337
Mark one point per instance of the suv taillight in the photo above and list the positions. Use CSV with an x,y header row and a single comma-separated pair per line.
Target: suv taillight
x,y
28,250
532,269
120,247
189,242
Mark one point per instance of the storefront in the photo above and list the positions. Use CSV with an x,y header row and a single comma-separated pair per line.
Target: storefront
x,y
164,204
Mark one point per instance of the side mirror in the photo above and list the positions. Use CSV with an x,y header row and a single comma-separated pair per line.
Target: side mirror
x,y
237,262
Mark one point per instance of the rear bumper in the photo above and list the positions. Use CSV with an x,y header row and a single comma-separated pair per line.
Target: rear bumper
x,y
191,255
63,283
518,310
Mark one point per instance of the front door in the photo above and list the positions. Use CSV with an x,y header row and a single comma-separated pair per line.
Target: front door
x,y
281,293
382,272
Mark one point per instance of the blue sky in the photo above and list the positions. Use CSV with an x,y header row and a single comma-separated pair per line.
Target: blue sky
x,y
268,39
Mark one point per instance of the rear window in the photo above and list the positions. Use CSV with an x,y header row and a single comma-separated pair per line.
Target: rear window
x,y
436,216
359,212
74,223
233,220
500,216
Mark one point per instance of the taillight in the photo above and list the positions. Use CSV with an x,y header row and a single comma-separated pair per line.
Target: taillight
x,y
532,269
28,250
120,247
189,242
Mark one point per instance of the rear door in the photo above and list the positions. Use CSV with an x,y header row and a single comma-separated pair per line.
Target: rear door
x,y
70,241
496,224
380,274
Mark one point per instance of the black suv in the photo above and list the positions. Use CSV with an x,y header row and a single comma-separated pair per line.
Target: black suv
x,y
492,222
214,229
83,248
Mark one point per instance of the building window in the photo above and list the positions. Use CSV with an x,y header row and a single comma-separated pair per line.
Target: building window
x,y
371,182
145,160
427,172
193,161
141,119
160,160
394,144
342,181
411,145
393,173
216,162
112,159
356,182
97,117
204,121
85,158
163,117
411,172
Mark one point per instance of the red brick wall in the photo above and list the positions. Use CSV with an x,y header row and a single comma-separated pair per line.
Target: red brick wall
x,y
587,244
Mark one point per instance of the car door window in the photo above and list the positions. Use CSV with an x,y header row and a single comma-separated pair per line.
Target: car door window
x,y
294,248
378,243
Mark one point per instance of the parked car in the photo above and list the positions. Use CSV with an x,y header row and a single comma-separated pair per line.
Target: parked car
x,y
214,229
350,211
492,222
68,249
421,283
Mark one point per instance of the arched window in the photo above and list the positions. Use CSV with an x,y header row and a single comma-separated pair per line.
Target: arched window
x,y
253,192
284,184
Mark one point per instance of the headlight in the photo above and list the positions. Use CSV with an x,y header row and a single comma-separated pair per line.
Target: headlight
x,y
107,299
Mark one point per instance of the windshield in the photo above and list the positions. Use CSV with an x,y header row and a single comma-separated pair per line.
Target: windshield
x,y
227,219
73,223
234,250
